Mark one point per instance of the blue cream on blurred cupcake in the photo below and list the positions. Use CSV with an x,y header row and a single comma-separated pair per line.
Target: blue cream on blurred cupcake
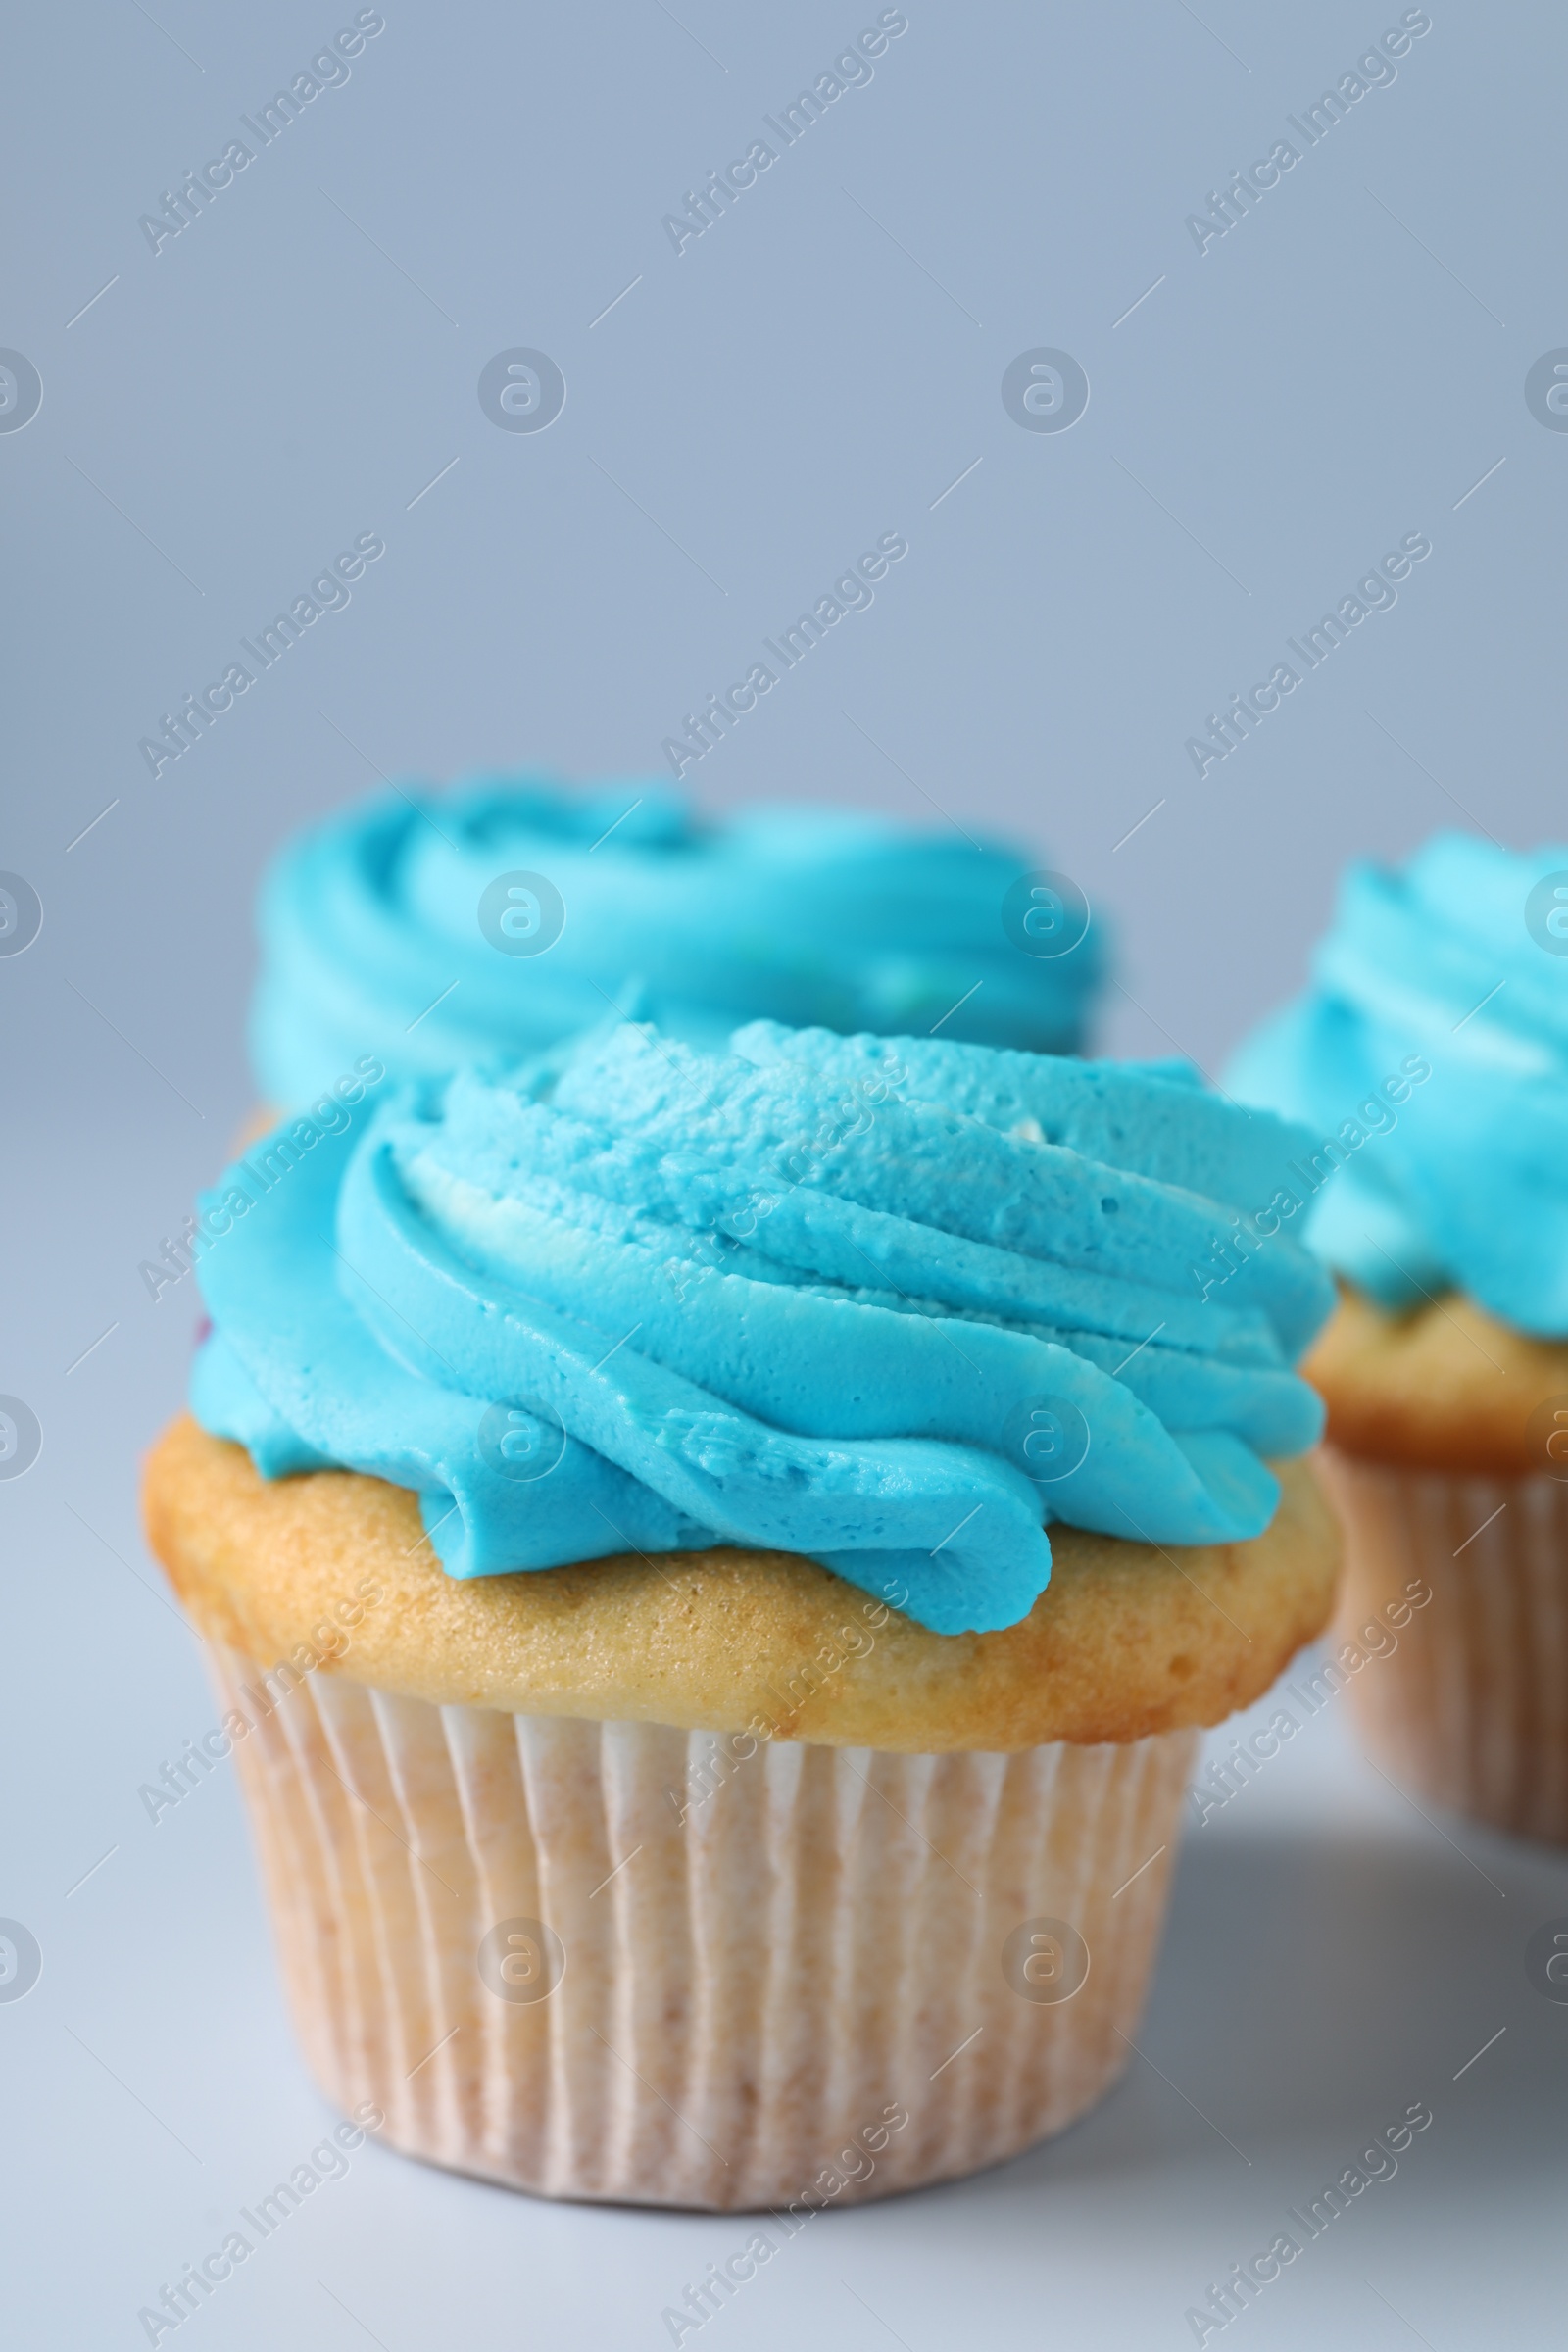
x,y
1429,1057
506,914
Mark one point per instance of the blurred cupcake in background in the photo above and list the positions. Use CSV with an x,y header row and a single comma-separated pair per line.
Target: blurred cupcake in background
x,y
1430,1058
506,914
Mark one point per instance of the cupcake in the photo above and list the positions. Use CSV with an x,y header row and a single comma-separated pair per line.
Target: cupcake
x,y
1430,1058
504,916
716,1564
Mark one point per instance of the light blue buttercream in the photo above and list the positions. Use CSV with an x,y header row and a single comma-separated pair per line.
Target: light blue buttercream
x,y
856,1298
371,939
1430,1058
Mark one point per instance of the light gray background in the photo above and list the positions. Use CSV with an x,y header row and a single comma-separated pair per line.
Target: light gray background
x,y
819,367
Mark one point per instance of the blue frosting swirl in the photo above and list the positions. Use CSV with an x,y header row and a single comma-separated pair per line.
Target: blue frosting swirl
x,y
895,1305
371,939
1430,1058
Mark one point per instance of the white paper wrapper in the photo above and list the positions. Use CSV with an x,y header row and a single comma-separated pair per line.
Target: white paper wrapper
x,y
500,1930
1471,1709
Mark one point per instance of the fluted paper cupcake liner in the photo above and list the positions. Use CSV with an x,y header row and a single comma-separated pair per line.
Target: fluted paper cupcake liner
x,y
1470,1707
618,1960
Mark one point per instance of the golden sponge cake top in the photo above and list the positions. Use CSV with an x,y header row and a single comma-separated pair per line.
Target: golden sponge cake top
x,y
1447,1388
332,1571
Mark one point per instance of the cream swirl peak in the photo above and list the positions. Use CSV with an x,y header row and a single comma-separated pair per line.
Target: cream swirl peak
x,y
380,934
1430,1058
892,1304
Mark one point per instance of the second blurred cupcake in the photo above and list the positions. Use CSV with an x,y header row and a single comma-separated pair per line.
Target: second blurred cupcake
x,y
1430,1056
506,914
